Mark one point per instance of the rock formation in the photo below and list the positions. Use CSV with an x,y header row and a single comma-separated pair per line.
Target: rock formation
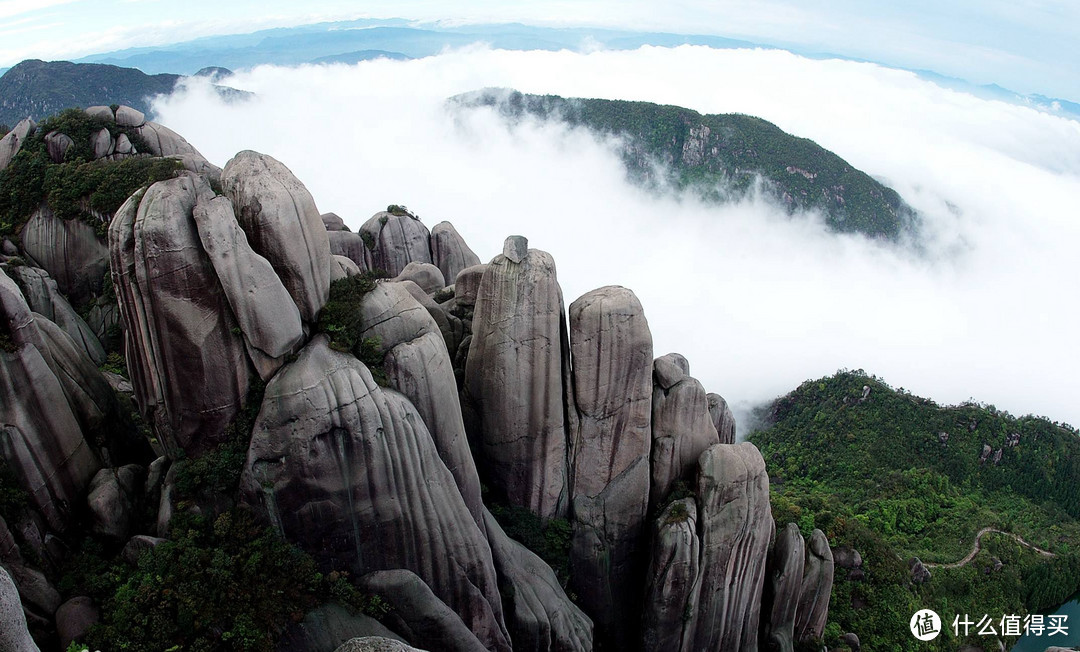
x,y
349,471
516,378
14,637
816,588
722,418
783,588
449,251
682,428
612,373
393,241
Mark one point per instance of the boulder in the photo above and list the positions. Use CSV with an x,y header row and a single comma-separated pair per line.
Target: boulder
x,y
611,348
516,248
349,245
113,493
283,225
722,418
129,117
185,352
539,615
517,378
816,589
124,146
418,615
846,557
920,574
852,641
267,317
467,285
394,242
425,275
329,626
670,594
44,297
74,619
682,428
88,393
43,442
736,525
333,222
69,250
418,365
57,145
137,545
101,113
449,251
163,141
102,143
14,636
349,472
375,644
783,589
347,265
13,141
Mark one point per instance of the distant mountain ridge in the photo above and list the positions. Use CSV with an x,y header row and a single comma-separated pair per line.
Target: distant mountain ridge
x,y
38,89
722,157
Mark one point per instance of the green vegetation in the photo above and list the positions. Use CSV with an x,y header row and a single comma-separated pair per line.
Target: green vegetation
x,y
115,363
79,187
341,320
13,498
721,157
896,476
399,211
550,539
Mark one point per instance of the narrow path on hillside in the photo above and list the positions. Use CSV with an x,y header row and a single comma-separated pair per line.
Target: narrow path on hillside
x,y
978,546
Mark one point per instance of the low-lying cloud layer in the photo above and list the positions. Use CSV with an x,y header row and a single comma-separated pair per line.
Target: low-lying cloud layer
x,y
758,302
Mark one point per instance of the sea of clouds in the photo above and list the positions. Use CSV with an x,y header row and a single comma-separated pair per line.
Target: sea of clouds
x,y
985,306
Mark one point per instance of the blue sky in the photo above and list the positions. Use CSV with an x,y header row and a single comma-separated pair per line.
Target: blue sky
x,y
1026,45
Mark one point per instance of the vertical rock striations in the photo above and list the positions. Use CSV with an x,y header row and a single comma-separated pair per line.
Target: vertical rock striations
x,y
393,241
682,428
783,587
515,377
612,373
283,225
670,593
418,365
449,251
187,364
736,528
349,472
722,418
816,589
69,250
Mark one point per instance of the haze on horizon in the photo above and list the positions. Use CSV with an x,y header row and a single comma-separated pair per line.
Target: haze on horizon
x,y
983,308
1026,45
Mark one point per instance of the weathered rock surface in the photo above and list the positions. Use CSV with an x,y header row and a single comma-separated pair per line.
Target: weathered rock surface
x,y
43,440
348,244
74,619
517,377
425,275
129,117
329,626
333,222
783,588
137,545
467,285
449,251
375,644
101,141
13,141
682,428
188,366
397,240
88,393
722,418
57,145
267,316
14,636
348,268
112,501
736,527
816,588
418,614
69,251
163,141
348,471
283,225
43,297
539,616
670,593
418,365
101,113
612,369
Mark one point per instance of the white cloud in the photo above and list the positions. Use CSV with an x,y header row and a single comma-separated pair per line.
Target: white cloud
x,y
756,301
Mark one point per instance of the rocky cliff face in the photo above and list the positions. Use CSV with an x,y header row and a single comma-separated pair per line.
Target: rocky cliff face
x,y
386,422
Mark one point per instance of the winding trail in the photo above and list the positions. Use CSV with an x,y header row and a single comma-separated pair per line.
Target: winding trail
x,y
978,546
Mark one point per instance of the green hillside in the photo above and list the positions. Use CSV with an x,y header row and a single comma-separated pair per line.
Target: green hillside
x,y
896,476
721,157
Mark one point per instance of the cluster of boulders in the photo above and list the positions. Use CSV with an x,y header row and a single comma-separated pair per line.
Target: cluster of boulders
x,y
220,277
